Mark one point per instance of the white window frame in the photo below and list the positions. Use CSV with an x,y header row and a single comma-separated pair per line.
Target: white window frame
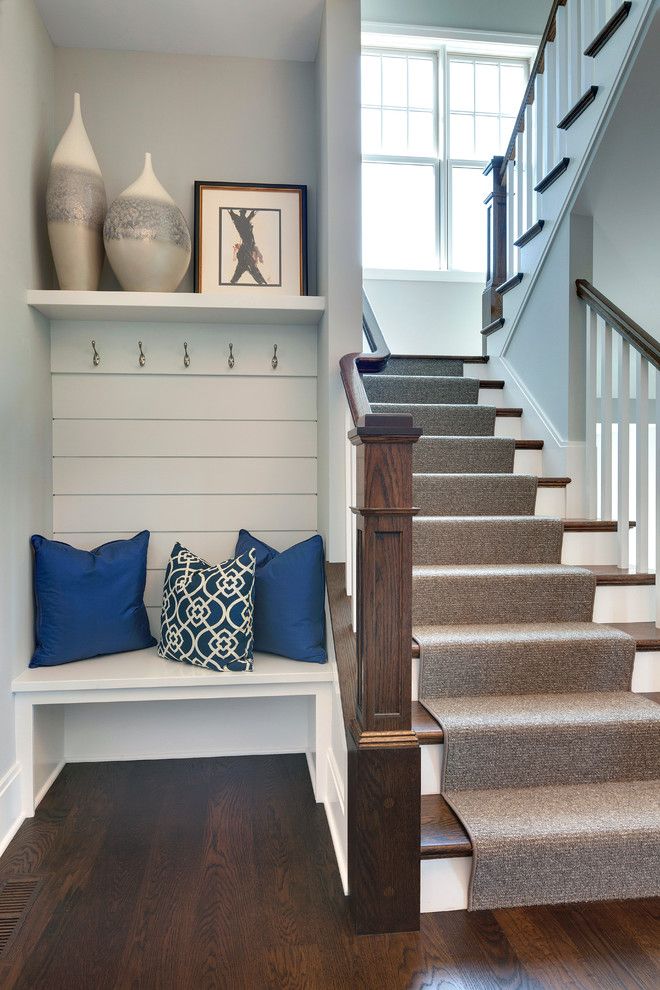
x,y
442,50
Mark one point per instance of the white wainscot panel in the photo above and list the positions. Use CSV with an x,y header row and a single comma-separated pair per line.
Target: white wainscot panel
x,y
179,513
183,475
214,547
208,348
183,397
174,438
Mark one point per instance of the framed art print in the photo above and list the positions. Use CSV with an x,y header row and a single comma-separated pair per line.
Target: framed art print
x,y
250,235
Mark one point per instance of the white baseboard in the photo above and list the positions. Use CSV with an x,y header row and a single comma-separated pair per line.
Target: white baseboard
x,y
335,811
11,817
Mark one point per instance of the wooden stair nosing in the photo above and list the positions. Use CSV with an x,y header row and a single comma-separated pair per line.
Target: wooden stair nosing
x,y
530,444
510,412
593,525
578,108
609,576
552,176
553,482
465,358
645,634
530,234
612,26
491,383
510,283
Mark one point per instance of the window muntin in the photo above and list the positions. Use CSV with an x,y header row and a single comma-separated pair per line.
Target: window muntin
x,y
432,120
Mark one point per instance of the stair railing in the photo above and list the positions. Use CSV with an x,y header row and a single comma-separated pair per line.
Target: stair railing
x,y
560,87
384,757
622,398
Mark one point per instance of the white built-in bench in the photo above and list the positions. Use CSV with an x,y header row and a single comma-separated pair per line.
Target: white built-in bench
x,y
139,706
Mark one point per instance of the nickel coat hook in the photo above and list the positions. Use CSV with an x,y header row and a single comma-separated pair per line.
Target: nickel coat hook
x,y
230,360
274,362
96,360
142,359
186,356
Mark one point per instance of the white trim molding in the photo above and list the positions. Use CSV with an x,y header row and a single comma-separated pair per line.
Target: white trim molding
x,y
11,817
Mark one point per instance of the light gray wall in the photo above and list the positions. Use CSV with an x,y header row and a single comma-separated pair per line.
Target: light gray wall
x,y
201,117
426,317
26,86
521,16
622,194
340,272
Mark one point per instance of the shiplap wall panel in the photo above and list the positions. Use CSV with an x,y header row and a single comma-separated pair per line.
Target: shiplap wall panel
x,y
183,397
183,475
119,513
212,546
208,348
176,438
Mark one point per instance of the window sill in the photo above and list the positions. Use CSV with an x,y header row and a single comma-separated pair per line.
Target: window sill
x,y
421,275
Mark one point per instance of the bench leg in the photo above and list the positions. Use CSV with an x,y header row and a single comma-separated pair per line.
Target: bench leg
x,y
24,716
323,731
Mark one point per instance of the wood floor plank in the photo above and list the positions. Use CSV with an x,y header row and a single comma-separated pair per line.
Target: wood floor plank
x,y
220,875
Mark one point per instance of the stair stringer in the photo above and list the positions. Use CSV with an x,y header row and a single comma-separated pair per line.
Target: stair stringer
x,y
611,69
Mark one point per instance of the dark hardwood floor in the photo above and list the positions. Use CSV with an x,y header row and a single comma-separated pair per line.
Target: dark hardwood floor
x,y
196,874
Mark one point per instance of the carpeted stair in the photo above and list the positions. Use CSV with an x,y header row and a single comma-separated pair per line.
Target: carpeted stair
x,y
549,760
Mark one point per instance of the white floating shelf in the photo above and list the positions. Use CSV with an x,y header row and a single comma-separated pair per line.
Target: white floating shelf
x,y
177,307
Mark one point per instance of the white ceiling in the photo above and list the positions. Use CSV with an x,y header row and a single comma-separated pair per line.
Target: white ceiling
x,y
278,29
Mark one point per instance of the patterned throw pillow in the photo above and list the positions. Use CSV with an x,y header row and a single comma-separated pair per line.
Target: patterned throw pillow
x,y
207,611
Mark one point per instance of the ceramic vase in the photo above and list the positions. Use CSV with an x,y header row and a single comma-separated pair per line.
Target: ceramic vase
x,y
75,208
146,236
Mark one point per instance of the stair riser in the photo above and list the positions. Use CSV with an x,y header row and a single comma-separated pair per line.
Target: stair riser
x,y
508,426
492,397
551,502
590,548
444,884
474,495
528,462
645,679
625,603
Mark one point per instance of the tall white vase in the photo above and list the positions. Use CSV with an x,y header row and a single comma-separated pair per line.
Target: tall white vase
x,y
75,208
146,236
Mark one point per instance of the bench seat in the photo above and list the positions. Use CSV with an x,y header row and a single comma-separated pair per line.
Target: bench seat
x,y
139,706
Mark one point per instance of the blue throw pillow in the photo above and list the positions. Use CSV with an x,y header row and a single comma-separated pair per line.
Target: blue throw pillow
x,y
289,601
207,611
89,602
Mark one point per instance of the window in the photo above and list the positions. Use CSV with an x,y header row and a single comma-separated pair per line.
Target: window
x,y
431,120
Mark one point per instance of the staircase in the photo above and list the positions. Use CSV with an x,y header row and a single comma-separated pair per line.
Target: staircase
x,y
513,681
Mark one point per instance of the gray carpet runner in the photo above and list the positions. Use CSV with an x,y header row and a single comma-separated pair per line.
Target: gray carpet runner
x,y
549,760
451,455
487,540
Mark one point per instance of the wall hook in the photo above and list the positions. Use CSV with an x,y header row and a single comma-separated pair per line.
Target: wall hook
x,y
96,360
186,356
230,359
274,362
142,359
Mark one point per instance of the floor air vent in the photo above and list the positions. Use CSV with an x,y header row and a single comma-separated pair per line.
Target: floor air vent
x,y
17,895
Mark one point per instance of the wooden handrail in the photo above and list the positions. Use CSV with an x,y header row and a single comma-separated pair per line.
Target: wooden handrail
x,y
537,69
638,338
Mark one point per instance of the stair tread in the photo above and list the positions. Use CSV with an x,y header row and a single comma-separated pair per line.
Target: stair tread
x,y
592,525
529,444
610,574
466,359
442,834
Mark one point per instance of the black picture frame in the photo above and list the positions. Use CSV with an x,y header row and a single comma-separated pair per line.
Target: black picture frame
x,y
201,184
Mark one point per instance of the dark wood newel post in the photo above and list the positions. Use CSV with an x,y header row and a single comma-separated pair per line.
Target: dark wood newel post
x,y
384,758
496,273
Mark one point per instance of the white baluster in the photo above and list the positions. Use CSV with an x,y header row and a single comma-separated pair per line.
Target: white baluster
x,y
587,33
540,125
591,478
510,215
529,166
606,424
551,118
601,15
354,596
573,38
623,500
642,467
520,191
562,107
348,464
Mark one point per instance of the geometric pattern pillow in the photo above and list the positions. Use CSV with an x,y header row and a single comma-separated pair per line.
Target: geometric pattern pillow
x,y
207,611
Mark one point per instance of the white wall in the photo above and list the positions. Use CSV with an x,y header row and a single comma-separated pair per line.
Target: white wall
x,y
622,194
201,117
26,85
428,317
521,16
340,273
